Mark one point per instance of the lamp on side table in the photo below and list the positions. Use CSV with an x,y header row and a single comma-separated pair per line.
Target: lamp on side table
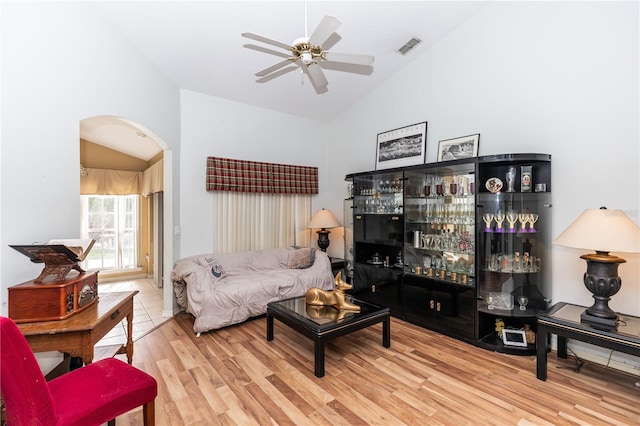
x,y
604,231
324,220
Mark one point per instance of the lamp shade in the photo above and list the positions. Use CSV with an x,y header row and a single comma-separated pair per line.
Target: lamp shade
x,y
602,230
323,219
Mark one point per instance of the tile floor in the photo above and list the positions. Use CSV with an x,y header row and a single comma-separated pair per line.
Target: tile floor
x,y
147,309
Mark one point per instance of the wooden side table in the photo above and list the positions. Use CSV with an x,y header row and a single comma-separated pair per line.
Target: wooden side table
x,y
78,334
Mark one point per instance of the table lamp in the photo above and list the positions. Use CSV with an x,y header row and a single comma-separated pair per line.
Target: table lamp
x,y
602,230
323,219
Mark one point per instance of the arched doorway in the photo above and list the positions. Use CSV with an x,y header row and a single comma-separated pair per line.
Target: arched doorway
x,y
111,142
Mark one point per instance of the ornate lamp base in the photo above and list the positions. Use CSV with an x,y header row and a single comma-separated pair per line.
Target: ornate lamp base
x,y
323,238
602,280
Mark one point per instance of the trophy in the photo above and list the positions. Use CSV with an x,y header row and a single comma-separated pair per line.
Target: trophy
x,y
512,218
499,217
511,179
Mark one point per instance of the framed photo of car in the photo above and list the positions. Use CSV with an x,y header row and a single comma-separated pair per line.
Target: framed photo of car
x,y
457,148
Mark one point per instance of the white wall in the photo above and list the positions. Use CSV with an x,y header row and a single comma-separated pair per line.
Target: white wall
x,y
550,77
560,78
221,128
62,63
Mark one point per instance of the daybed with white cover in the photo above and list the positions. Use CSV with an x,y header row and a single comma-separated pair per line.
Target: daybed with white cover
x,y
224,289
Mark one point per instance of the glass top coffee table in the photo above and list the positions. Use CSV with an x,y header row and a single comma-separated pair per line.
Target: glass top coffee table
x,y
323,323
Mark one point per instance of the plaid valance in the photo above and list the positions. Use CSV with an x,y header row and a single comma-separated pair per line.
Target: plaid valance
x,y
224,174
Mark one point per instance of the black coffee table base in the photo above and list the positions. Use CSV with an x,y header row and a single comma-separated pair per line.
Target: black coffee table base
x,y
321,334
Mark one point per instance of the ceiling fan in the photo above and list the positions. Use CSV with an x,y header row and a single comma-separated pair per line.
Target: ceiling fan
x,y
307,53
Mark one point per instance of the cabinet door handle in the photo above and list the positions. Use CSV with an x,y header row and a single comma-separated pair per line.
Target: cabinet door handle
x,y
438,307
373,288
431,304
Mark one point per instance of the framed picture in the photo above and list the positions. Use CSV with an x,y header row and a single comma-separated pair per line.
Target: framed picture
x,y
462,147
406,146
514,337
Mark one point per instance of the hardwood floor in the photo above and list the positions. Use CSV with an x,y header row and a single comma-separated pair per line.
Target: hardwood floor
x,y
233,376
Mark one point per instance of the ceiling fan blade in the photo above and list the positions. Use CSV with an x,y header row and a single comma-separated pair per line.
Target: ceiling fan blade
x,y
317,76
266,40
323,31
265,50
349,58
281,71
273,68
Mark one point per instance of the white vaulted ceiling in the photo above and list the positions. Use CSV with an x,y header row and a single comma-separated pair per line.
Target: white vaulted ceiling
x,y
198,44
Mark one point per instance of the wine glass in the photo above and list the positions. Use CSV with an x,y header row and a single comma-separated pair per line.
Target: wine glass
x,y
488,218
512,218
439,213
523,300
499,217
523,218
491,302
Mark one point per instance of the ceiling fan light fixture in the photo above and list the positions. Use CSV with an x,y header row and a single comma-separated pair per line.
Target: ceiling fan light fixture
x,y
306,57
409,45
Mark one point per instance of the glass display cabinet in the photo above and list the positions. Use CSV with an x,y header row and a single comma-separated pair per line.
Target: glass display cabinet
x,y
514,248
377,238
462,247
439,248
348,234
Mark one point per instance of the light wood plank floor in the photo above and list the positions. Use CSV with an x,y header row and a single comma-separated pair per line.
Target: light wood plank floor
x,y
233,376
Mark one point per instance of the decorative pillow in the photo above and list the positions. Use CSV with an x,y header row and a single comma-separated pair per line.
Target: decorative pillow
x,y
214,267
301,258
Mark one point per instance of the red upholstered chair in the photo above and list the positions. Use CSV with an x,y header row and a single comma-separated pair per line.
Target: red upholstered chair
x,y
90,395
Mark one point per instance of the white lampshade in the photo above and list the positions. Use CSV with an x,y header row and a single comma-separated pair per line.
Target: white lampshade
x,y
602,230
323,219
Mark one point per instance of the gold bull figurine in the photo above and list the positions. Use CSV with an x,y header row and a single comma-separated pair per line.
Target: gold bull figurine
x,y
335,298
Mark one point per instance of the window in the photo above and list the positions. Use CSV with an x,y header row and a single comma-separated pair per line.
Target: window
x,y
247,221
112,221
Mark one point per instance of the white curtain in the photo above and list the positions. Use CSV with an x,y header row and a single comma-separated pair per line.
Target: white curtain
x,y
254,221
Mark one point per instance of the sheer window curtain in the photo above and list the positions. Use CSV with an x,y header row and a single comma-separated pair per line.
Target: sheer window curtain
x,y
255,221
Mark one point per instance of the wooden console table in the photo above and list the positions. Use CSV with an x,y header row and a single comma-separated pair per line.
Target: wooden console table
x,y
78,334
563,319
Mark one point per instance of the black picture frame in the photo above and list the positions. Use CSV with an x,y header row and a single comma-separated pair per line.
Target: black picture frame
x,y
458,148
405,146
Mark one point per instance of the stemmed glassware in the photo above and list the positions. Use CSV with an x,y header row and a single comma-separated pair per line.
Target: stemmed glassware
x,y
523,300
512,218
488,218
523,218
499,217
491,302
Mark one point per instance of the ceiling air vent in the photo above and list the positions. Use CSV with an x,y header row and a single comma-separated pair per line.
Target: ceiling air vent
x,y
409,45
